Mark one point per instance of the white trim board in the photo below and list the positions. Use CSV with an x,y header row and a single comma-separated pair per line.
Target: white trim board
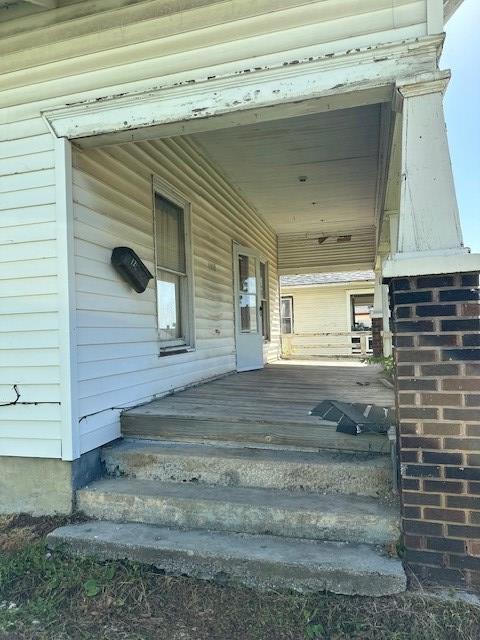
x,y
66,295
341,80
436,263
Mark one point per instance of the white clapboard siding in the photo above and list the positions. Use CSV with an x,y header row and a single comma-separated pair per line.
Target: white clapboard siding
x,y
100,50
29,341
322,309
91,50
118,348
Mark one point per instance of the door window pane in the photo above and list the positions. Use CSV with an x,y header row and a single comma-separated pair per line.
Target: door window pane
x,y
247,274
248,312
168,300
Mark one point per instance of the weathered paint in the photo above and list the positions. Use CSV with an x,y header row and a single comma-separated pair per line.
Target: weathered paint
x,y
118,350
82,57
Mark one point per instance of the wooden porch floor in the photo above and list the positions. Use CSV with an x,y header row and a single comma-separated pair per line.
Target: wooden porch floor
x,y
269,406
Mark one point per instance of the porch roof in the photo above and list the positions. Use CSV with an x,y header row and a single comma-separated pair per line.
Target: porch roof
x,y
33,6
341,277
313,178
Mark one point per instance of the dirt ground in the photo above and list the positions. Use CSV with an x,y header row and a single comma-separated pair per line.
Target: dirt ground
x,y
45,596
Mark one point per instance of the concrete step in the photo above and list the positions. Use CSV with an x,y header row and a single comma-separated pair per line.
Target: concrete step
x,y
356,519
264,562
322,472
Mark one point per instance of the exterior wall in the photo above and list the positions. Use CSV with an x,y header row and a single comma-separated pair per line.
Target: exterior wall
x,y
29,293
89,50
322,309
80,48
118,348
437,335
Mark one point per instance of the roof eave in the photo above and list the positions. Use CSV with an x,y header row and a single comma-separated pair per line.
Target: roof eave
x,y
449,8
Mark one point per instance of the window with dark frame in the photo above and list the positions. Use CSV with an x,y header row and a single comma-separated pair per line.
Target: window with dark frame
x,y
287,314
172,273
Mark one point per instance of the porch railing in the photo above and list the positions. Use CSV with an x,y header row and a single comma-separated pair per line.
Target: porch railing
x,y
328,343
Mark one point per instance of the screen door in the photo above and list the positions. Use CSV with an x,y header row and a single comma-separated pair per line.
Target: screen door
x,y
248,321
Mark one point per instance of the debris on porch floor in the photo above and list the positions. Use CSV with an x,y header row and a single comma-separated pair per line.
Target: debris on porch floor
x,y
356,418
270,406
53,596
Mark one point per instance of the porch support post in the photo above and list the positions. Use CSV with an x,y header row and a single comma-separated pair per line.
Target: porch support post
x,y
428,220
435,301
381,337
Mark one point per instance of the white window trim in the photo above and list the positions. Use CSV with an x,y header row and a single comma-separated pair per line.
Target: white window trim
x,y
291,317
187,342
268,338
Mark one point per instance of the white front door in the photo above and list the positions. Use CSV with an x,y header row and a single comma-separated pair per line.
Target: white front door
x,y
248,321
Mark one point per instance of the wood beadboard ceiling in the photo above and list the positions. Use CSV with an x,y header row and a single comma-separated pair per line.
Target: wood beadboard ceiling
x,y
312,174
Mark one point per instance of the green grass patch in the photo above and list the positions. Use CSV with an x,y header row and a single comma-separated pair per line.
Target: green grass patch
x,y
46,596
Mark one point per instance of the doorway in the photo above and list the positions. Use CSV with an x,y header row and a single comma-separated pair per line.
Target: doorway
x,y
251,307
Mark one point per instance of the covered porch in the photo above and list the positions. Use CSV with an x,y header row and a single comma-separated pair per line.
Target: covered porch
x,y
269,406
216,216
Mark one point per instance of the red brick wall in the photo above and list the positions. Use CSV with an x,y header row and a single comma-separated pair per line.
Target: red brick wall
x,y
377,340
437,353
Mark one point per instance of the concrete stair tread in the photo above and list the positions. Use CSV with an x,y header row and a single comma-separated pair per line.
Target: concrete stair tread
x,y
263,561
289,500
237,465
155,447
248,510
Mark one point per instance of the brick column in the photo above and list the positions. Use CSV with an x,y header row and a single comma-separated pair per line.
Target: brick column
x,y
437,340
377,340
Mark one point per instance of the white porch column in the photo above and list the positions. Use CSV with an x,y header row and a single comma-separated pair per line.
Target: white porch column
x,y
427,237
428,220
381,309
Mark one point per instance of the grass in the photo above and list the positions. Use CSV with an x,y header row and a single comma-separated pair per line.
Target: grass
x,y
56,597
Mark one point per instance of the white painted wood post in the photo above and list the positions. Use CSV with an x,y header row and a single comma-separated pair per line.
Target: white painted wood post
x,y
66,299
381,307
428,218
387,334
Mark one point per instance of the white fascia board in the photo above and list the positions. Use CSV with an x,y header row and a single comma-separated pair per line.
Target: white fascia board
x,y
352,73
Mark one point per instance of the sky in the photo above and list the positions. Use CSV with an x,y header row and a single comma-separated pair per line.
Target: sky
x,y
461,54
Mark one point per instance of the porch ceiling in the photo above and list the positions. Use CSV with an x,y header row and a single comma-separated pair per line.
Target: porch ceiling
x,y
311,177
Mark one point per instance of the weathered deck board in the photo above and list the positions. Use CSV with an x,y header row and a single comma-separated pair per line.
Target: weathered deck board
x,y
268,406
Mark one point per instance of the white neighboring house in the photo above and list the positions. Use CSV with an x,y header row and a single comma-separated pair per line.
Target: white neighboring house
x,y
327,314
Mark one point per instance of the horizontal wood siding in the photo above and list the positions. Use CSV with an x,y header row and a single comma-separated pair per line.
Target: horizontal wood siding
x,y
322,310
95,48
89,50
29,341
118,348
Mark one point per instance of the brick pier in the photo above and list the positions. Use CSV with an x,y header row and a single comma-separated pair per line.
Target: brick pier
x,y
377,339
437,353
